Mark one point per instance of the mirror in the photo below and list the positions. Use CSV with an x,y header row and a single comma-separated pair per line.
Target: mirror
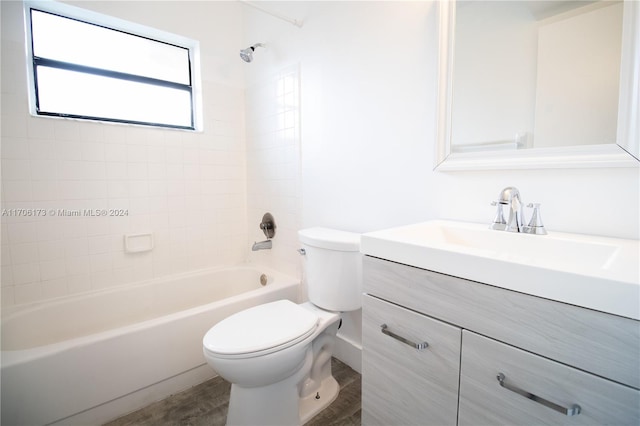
x,y
538,84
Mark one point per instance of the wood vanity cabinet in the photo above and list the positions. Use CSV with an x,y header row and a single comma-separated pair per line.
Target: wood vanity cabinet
x,y
494,356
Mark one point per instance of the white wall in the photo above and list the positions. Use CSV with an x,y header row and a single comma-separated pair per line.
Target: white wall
x,y
367,79
188,189
368,90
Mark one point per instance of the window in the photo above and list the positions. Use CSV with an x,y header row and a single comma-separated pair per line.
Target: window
x,y
91,66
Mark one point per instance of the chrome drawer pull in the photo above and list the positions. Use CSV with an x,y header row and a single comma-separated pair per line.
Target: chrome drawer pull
x,y
418,346
574,410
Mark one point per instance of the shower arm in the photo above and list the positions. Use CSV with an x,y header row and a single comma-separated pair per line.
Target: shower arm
x,y
292,21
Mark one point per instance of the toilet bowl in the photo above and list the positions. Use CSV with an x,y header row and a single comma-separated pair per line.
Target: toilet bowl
x,y
272,363
277,356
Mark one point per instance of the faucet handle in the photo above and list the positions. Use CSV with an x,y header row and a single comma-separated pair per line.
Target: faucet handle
x,y
535,223
499,223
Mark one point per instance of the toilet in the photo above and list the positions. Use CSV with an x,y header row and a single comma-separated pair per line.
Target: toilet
x,y
277,355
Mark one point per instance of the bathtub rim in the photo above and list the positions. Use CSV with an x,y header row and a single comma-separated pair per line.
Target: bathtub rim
x,y
11,310
10,358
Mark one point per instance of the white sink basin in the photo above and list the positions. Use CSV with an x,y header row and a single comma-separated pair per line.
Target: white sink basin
x,y
593,272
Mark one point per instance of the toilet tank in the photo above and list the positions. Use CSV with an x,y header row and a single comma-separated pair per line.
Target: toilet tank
x,y
332,268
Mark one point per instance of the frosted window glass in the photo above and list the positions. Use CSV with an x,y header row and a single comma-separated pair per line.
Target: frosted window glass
x,y
83,68
68,40
72,93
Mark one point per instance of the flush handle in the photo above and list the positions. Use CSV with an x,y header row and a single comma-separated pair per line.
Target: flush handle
x,y
418,346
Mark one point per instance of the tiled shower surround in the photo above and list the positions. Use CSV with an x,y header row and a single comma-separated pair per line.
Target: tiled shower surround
x,y
193,190
273,164
188,189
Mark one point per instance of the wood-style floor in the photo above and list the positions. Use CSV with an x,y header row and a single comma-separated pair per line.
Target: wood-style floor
x,y
207,403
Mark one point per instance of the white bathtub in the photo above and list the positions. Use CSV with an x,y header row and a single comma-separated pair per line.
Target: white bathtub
x,y
89,358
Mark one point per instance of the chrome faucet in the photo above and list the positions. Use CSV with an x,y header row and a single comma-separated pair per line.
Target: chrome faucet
x,y
510,197
262,245
268,226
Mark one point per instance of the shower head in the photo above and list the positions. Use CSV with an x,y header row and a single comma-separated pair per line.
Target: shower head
x,y
247,54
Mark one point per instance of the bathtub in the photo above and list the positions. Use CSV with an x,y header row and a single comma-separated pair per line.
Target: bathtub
x,y
89,358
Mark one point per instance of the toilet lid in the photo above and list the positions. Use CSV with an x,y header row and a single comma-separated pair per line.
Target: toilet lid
x,y
259,328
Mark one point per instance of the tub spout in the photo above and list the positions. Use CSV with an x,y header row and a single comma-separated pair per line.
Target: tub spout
x,y
262,245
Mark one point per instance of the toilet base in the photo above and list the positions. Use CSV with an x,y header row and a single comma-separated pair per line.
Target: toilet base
x,y
273,405
280,404
310,406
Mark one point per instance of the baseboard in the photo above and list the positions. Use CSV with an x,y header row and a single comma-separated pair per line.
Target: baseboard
x,y
348,352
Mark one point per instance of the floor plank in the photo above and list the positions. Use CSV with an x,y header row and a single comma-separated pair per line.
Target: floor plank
x,y
207,404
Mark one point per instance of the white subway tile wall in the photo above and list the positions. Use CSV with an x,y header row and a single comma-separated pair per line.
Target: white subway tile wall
x,y
273,165
202,195
188,189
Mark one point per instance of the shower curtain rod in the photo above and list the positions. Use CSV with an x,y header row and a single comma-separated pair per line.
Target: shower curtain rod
x,y
292,21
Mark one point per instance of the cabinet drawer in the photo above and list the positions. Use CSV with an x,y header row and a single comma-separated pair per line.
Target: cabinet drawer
x,y
402,385
483,401
603,344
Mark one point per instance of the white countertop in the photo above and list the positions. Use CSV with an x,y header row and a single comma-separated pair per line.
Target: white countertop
x,y
589,271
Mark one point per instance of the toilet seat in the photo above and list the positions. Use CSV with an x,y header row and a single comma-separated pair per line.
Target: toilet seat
x,y
260,330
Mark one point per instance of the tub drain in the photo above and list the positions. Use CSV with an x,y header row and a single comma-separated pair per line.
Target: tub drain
x,y
263,279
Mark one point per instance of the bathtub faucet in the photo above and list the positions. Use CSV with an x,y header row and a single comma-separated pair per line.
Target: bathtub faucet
x,y
262,245
268,226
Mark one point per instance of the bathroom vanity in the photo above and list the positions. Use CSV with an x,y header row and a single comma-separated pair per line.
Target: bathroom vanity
x,y
442,349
